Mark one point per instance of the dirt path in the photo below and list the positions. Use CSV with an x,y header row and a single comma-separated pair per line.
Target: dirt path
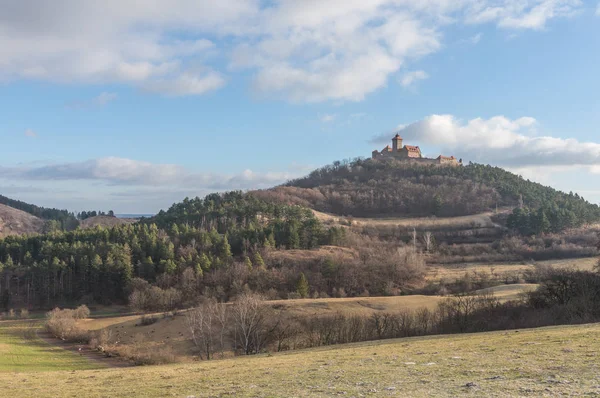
x,y
83,350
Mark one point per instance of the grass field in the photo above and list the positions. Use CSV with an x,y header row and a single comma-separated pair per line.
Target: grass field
x,y
538,362
436,273
21,350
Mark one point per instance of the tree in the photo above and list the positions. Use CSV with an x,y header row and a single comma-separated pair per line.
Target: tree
x,y
302,287
248,263
258,261
428,239
249,319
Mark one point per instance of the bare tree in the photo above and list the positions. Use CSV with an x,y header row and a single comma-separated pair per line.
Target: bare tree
x,y
428,239
220,314
414,234
249,316
199,322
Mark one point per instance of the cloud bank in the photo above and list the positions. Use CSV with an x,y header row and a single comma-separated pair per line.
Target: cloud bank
x,y
500,141
128,172
305,51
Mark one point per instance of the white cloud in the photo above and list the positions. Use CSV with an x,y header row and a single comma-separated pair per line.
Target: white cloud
x,y
128,172
598,10
30,133
327,118
522,14
500,141
473,40
309,50
98,101
410,78
187,84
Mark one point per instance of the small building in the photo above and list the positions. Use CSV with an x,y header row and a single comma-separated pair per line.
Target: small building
x,y
411,153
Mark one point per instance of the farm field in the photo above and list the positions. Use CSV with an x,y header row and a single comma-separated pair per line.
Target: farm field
x,y
537,362
22,350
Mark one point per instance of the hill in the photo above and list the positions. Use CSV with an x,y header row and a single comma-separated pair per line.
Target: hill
x,y
18,222
66,219
373,188
548,361
105,221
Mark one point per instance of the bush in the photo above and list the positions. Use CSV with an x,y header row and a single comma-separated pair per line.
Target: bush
x,y
62,324
148,320
24,313
81,312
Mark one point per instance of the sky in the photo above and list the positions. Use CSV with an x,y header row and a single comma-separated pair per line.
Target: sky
x,y
132,106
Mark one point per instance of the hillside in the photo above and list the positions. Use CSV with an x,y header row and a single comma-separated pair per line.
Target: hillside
x,y
105,221
371,188
18,222
548,361
64,217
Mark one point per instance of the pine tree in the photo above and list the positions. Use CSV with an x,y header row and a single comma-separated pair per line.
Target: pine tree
x,y
258,261
302,287
248,263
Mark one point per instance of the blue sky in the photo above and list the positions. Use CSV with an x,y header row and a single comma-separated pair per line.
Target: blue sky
x,y
107,105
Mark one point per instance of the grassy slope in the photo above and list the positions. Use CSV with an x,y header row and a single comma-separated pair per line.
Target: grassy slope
x,y
17,222
538,362
436,273
21,350
105,221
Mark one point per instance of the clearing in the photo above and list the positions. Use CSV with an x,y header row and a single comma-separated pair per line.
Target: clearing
x,y
17,222
22,350
537,362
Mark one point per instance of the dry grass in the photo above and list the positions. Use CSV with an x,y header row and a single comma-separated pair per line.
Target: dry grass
x,y
510,292
17,222
539,362
477,220
436,273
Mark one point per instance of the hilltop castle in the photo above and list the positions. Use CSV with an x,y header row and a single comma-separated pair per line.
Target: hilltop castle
x,y
411,153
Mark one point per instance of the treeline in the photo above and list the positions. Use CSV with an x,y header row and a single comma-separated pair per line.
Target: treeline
x,y
65,219
367,188
89,214
546,219
97,265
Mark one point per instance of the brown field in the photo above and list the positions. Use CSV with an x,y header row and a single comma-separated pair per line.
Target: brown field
x,y
499,270
545,362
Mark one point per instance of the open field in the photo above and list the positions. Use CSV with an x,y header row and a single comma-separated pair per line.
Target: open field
x,y
436,273
477,220
539,362
22,350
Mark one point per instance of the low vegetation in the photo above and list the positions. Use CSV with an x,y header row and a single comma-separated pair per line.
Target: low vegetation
x,y
539,362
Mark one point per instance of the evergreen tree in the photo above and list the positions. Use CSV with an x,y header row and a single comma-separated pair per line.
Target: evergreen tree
x,y
302,287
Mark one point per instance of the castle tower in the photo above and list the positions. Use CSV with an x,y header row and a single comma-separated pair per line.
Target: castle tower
x,y
396,143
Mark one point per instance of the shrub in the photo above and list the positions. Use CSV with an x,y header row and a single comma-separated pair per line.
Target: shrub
x,y
62,324
148,320
81,312
24,313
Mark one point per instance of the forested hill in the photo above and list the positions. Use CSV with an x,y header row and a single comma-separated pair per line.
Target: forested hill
x,y
63,217
217,234
367,188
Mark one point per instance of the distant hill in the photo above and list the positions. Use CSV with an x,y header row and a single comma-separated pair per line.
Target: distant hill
x,y
372,188
105,221
18,222
38,211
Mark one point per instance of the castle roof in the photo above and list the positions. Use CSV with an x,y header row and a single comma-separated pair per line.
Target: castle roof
x,y
412,148
446,157
397,137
